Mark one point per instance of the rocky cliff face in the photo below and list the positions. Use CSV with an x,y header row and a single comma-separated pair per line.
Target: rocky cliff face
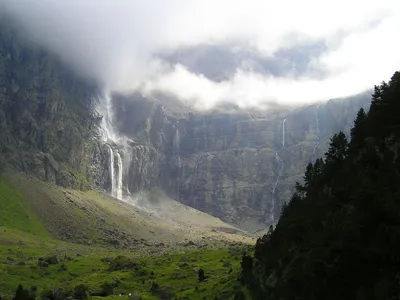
x,y
237,165
46,122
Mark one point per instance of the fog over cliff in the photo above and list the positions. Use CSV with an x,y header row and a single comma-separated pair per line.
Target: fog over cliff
x,y
206,52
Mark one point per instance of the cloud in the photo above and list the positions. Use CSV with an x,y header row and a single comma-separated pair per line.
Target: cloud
x,y
297,51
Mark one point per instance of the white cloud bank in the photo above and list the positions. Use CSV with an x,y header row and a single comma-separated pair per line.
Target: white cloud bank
x,y
115,41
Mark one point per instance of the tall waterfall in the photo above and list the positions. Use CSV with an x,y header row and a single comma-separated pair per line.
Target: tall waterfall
x,y
279,162
205,134
106,110
177,145
119,178
317,139
110,137
283,133
113,183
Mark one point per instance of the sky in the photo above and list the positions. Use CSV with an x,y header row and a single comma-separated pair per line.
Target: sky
x,y
286,51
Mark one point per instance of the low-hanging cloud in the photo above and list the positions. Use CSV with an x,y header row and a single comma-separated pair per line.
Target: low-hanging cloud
x,y
120,43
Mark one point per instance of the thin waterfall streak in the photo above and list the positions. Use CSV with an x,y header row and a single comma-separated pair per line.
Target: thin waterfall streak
x,y
317,138
275,185
283,133
205,134
176,143
280,164
195,174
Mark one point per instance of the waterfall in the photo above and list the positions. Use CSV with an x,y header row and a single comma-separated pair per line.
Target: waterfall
x,y
317,141
205,134
283,133
279,162
113,185
177,145
195,175
116,179
110,137
106,110
118,189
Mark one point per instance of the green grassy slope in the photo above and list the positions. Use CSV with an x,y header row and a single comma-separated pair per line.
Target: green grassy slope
x,y
40,220
15,211
175,273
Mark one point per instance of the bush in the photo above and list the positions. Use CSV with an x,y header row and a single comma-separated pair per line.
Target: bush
x,y
80,292
51,260
106,289
202,277
23,294
122,263
154,286
54,294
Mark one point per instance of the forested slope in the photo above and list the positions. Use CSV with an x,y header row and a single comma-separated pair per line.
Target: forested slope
x,y
339,237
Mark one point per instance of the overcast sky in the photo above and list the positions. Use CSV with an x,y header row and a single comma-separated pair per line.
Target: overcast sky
x,y
119,42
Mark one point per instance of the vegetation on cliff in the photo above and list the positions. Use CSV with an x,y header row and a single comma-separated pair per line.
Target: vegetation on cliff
x,y
339,236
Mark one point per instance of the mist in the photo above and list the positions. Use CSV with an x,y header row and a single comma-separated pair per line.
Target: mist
x,y
123,45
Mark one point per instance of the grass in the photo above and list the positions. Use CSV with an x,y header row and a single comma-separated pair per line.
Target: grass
x,y
15,211
176,274
172,271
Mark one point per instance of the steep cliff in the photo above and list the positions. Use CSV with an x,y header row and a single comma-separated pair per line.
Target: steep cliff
x,y
240,166
46,121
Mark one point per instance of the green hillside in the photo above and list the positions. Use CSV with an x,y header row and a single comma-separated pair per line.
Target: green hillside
x,y
16,213
87,231
108,272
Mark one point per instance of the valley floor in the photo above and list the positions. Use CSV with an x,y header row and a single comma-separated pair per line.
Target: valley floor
x,y
175,273
53,238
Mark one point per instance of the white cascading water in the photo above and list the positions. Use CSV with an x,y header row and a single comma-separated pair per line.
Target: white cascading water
x,y
283,133
109,136
316,144
177,145
106,110
113,185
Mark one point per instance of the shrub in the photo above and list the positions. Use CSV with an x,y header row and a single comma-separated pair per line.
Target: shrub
x,y
23,294
202,277
54,294
122,263
80,292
